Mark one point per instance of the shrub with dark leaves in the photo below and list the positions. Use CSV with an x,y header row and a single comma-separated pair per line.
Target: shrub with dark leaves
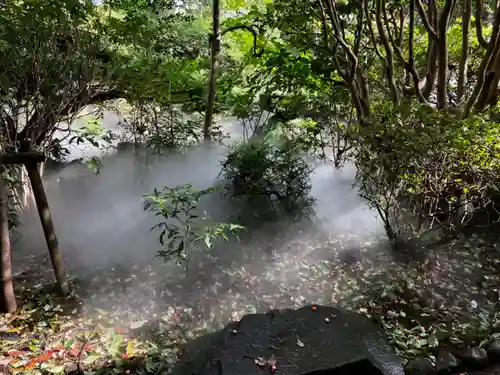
x,y
269,174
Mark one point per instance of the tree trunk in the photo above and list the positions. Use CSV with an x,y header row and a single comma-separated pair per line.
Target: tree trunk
x,y
462,73
212,79
48,228
442,85
7,298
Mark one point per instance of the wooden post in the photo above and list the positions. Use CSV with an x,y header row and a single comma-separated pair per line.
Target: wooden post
x,y
30,160
7,298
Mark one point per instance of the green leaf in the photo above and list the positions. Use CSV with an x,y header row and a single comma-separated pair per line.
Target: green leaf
x,y
88,360
53,369
208,241
150,365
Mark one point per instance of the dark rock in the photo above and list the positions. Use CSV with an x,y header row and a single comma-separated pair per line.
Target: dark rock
x,y
494,351
327,341
446,363
420,366
475,358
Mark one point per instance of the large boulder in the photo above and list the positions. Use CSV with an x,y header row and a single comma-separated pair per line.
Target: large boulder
x,y
308,341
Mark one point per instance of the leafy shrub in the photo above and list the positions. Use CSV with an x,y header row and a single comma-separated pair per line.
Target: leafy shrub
x,y
184,228
423,170
269,173
164,127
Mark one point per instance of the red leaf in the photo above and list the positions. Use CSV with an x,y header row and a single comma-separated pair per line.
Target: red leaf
x,y
44,357
31,364
16,353
4,362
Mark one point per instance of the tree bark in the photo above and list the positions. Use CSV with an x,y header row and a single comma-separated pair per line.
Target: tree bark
x,y
485,76
380,12
430,19
48,228
7,298
442,85
212,79
462,73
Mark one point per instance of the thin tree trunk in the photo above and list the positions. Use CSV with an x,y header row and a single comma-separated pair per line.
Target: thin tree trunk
x,y
442,85
462,73
7,298
432,49
212,79
48,228
484,74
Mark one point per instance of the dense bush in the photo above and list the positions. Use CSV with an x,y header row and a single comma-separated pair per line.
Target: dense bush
x,y
423,169
269,173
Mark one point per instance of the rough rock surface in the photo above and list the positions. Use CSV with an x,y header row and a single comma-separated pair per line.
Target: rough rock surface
x,y
475,358
307,341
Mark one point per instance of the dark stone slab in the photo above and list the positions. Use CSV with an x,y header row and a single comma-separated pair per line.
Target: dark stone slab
x,y
475,358
327,341
446,362
420,366
494,351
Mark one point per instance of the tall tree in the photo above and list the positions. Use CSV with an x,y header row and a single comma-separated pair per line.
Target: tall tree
x,y
215,40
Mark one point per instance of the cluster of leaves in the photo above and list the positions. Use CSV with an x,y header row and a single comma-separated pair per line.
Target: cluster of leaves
x,y
269,172
48,335
184,228
428,166
447,299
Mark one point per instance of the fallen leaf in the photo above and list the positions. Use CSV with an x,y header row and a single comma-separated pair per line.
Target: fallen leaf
x,y
16,353
53,369
88,360
299,343
259,361
44,357
4,362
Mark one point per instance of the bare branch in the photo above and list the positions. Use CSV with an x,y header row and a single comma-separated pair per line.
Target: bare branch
x,y
380,12
250,29
425,20
479,27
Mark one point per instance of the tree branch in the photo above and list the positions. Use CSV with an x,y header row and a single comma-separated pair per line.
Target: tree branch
x,y
425,20
380,11
479,27
248,28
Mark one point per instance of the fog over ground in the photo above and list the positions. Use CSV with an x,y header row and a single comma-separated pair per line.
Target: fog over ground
x,y
106,239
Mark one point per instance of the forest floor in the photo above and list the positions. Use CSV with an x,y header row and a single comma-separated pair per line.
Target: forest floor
x,y
130,320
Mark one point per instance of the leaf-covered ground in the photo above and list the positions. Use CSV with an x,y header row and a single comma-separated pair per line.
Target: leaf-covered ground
x,y
133,318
